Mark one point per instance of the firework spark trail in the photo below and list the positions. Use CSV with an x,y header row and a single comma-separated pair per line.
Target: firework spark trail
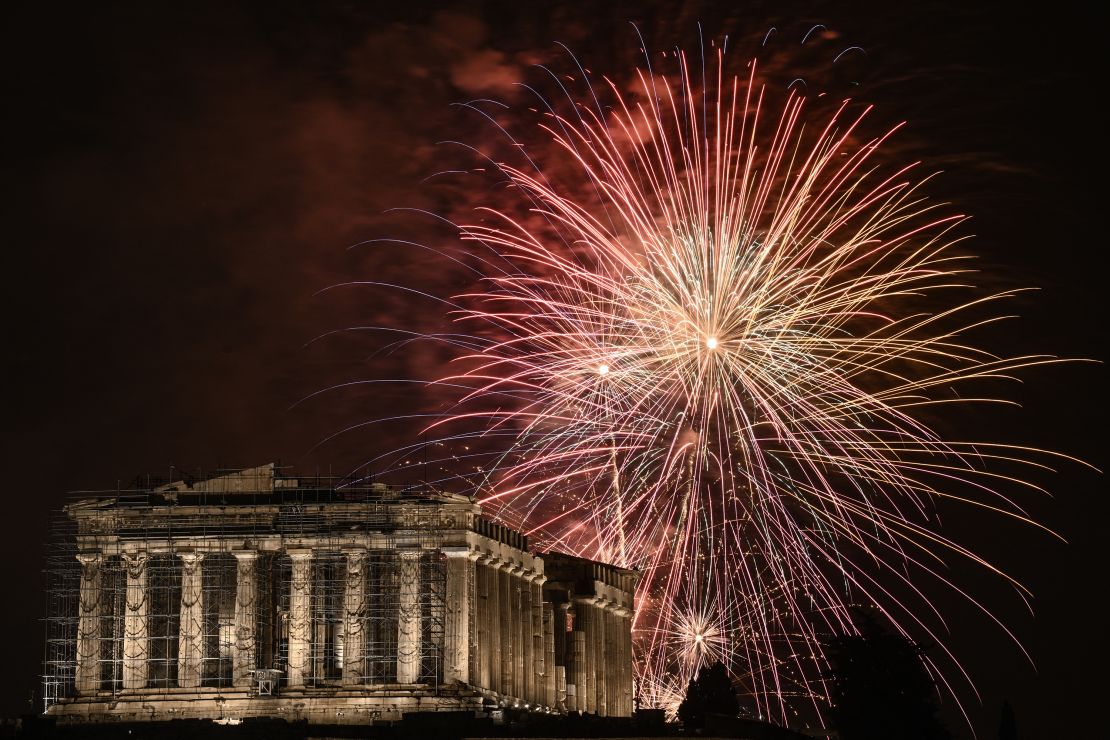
x,y
712,363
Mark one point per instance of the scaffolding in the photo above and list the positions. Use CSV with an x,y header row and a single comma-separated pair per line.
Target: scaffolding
x,y
243,585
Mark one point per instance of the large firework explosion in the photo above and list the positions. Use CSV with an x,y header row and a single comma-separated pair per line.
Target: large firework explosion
x,y
712,344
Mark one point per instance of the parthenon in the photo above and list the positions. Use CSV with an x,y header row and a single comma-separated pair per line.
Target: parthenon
x,y
253,594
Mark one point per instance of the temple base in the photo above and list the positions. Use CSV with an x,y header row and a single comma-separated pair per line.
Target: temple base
x,y
386,703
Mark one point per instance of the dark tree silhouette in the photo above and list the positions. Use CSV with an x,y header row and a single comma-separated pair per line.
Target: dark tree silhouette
x,y
710,692
880,687
1007,726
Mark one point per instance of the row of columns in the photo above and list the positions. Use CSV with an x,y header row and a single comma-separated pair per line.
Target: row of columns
x,y
510,645
600,653
356,601
190,652
244,652
499,633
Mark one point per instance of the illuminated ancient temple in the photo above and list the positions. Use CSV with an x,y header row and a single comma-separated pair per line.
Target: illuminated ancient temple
x,y
256,595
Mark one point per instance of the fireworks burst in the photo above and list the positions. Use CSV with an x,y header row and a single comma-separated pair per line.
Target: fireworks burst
x,y
697,636
716,348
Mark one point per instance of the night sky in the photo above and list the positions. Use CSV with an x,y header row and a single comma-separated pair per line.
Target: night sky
x,y
181,184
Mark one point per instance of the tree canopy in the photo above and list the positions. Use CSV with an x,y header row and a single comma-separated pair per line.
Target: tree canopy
x,y
710,692
880,687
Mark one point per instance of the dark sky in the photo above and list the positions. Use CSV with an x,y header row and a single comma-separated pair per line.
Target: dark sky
x,y
181,184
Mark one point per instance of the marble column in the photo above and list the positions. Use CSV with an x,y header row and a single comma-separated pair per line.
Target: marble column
x,y
617,683
456,638
87,675
244,649
609,650
299,668
481,622
522,629
597,637
587,694
597,622
581,660
562,651
616,666
135,622
473,619
535,667
409,624
626,676
493,624
625,626
190,644
549,678
354,618
319,630
505,596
